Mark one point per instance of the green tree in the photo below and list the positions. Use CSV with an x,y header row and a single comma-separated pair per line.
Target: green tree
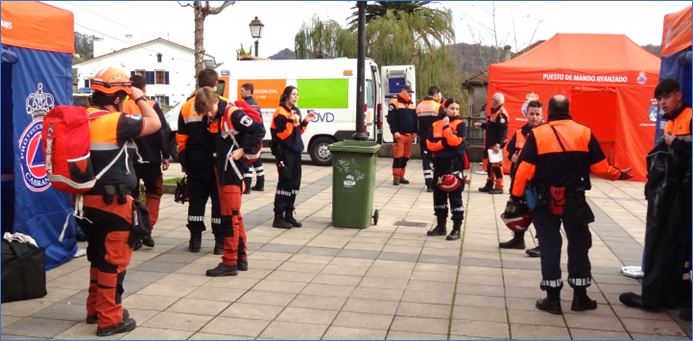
x,y
324,38
428,25
397,33
84,47
379,9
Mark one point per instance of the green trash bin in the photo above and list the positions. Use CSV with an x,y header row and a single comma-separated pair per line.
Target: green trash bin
x,y
353,183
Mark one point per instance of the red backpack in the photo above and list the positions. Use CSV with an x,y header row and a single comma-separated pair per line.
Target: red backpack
x,y
66,146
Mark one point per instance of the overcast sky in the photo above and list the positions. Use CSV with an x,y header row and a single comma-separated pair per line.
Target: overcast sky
x,y
518,23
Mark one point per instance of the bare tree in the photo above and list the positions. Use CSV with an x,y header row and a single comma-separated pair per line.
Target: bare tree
x,y
500,36
202,10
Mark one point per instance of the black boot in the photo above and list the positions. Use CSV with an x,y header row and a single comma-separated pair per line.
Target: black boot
x,y
223,270
488,187
126,325
195,242
280,222
247,182
455,234
260,184
218,245
552,302
581,301
429,185
439,230
533,252
518,242
289,216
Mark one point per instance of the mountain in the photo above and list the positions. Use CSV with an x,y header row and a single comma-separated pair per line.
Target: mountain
x,y
284,54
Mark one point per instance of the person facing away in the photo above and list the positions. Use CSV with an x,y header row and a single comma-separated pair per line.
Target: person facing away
x,y
667,255
195,149
108,207
238,134
246,92
426,113
402,120
496,127
287,146
154,155
557,159
446,143
534,118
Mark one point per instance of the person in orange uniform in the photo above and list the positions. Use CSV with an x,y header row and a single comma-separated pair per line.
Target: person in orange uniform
x,y
238,135
195,149
426,113
496,127
557,159
446,142
153,158
534,118
667,255
402,120
108,206
287,146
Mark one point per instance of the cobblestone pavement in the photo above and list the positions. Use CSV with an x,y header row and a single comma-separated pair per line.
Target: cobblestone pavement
x,y
388,281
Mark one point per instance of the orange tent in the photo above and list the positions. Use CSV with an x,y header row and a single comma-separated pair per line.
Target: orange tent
x,y
608,79
676,35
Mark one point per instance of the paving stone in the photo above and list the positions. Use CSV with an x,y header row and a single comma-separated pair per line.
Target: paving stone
x,y
488,329
294,331
38,327
307,315
533,332
345,333
363,320
231,325
420,324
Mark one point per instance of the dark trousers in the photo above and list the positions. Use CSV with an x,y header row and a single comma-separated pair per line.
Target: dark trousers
x,y
202,185
289,183
150,174
426,162
440,198
550,241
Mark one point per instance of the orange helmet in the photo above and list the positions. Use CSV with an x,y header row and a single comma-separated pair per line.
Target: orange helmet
x,y
111,80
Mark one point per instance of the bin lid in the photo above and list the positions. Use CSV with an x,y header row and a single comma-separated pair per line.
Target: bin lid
x,y
355,146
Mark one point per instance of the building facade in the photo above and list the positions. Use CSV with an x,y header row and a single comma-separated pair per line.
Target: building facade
x,y
168,67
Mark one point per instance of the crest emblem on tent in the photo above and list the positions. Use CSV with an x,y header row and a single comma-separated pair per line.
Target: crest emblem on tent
x,y
642,79
32,161
530,97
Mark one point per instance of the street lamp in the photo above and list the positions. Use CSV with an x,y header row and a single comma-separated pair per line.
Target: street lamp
x,y
256,27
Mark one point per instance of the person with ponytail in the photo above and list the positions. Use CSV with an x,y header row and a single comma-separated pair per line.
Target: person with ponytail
x,y
446,142
287,146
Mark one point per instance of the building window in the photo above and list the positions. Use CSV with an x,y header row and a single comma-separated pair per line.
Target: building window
x,y
161,77
137,72
158,57
163,100
86,83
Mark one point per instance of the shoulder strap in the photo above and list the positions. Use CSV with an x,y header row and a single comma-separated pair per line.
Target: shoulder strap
x,y
557,137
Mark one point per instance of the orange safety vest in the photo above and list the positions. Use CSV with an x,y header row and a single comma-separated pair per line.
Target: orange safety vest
x,y
439,134
427,108
681,125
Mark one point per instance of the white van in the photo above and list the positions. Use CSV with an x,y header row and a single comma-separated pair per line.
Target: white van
x,y
326,86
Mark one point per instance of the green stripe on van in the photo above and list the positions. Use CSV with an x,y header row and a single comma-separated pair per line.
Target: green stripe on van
x,y
323,93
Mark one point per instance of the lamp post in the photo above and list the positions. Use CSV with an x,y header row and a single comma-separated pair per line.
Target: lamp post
x,y
256,27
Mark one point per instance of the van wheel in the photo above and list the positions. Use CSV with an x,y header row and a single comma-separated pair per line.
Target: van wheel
x,y
319,154
173,148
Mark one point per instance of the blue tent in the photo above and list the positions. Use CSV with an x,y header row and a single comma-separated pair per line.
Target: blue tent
x,y
37,48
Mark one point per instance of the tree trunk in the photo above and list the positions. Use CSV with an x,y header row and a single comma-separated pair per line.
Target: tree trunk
x,y
199,37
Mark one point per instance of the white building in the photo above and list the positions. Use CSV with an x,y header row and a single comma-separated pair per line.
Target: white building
x,y
168,67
